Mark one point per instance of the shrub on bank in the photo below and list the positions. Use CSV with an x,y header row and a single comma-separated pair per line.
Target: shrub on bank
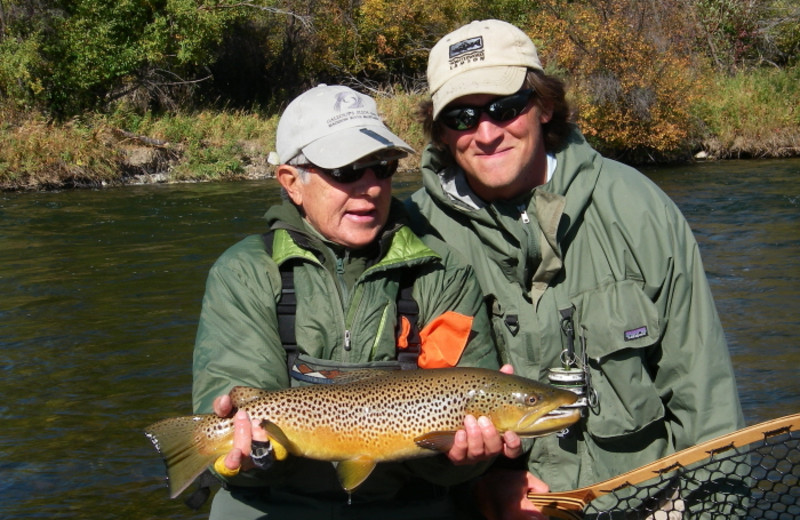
x,y
747,115
37,153
753,114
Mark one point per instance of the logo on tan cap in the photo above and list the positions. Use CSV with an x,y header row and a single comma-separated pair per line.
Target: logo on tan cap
x,y
468,50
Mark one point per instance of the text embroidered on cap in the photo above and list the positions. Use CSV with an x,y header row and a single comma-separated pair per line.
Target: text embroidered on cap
x,y
466,51
635,333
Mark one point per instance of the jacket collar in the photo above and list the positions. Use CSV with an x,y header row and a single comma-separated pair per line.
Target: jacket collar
x,y
396,242
556,206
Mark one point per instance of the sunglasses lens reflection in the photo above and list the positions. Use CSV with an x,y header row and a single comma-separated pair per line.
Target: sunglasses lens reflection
x,y
353,172
503,109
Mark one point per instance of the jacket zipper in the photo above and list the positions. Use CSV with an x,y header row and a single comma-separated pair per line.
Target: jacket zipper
x,y
345,300
530,242
523,214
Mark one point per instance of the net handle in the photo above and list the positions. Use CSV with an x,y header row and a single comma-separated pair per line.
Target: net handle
x,y
569,505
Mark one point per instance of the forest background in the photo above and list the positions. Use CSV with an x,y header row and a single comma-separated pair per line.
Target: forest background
x,y
103,92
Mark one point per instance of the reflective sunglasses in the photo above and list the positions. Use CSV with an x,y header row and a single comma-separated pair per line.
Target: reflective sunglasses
x,y
383,169
502,109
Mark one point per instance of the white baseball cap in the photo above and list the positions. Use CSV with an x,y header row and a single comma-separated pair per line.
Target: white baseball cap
x,y
333,126
482,57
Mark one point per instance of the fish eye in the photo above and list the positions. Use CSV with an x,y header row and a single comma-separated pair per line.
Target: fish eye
x,y
524,399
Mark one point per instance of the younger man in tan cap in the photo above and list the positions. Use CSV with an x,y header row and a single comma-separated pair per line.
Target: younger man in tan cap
x,y
591,273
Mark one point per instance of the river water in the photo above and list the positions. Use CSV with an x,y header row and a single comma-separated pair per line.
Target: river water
x,y
101,291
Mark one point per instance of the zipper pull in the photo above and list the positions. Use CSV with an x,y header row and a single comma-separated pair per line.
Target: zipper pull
x,y
347,340
523,214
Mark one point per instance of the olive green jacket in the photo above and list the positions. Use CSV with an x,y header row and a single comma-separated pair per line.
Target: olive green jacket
x,y
603,242
345,317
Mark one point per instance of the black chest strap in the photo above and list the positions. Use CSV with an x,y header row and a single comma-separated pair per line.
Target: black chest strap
x,y
407,308
287,309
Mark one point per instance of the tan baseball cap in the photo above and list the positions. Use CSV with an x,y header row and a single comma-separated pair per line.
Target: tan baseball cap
x,y
482,57
333,126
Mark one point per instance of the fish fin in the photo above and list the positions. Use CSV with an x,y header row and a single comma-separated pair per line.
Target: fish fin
x,y
438,441
281,445
353,472
184,457
242,395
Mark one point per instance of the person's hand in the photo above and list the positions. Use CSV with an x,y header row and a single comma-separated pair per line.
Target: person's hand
x,y
245,431
480,440
503,495
223,406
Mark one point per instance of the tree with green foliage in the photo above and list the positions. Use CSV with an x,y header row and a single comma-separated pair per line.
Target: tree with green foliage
x,y
82,53
636,68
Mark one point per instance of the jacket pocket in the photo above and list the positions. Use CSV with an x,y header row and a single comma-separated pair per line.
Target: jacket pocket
x,y
620,327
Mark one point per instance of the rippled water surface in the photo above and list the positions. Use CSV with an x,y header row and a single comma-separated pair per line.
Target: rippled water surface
x,y
101,292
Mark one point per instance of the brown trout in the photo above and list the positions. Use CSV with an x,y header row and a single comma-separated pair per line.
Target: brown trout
x,y
370,416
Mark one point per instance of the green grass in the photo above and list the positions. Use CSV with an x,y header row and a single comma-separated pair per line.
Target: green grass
x,y
756,114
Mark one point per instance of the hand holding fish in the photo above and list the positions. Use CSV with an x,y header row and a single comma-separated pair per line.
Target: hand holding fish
x,y
500,488
245,432
480,440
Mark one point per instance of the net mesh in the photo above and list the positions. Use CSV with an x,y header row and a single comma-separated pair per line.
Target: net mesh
x,y
754,481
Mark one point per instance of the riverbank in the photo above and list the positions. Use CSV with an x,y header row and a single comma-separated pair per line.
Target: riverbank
x,y
753,115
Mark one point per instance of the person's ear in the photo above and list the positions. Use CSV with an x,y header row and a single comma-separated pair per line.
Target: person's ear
x,y
289,179
546,114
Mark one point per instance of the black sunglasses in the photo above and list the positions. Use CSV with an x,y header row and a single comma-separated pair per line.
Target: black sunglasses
x,y
502,109
382,169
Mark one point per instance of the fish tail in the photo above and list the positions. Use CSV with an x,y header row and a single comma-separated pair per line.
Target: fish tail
x,y
186,454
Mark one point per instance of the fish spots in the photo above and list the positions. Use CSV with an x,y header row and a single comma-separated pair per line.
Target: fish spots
x,y
371,418
381,415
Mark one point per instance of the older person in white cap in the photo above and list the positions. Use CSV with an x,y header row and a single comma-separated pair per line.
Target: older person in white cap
x,y
352,268
592,274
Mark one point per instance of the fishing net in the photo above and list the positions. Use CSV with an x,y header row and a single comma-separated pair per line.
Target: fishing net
x,y
743,479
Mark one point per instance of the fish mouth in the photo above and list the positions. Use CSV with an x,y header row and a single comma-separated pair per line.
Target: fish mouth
x,y
556,419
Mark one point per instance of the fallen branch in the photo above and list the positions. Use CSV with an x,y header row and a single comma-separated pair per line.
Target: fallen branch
x,y
143,139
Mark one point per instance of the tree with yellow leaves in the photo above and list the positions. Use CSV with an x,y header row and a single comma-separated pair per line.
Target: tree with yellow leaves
x,y
630,81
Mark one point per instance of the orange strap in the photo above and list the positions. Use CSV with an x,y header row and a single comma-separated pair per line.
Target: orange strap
x,y
443,340
405,330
